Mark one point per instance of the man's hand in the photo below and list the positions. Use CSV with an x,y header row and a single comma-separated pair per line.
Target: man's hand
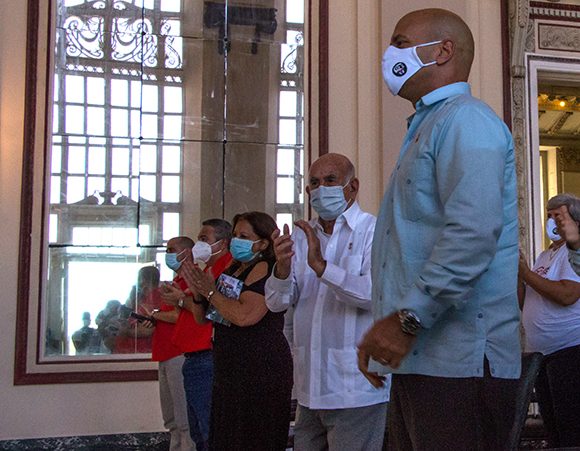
x,y
568,228
363,366
170,293
283,249
386,343
315,259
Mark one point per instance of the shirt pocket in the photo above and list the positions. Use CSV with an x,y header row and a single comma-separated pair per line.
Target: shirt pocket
x,y
342,369
418,189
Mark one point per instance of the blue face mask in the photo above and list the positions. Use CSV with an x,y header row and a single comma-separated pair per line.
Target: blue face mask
x,y
328,201
172,261
242,249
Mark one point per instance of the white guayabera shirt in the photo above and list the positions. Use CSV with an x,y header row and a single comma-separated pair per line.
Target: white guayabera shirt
x,y
330,314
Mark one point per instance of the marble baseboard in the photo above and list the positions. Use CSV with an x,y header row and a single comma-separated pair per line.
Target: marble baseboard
x,y
155,441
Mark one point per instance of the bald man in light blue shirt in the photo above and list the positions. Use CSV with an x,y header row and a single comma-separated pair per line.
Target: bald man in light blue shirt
x,y
445,252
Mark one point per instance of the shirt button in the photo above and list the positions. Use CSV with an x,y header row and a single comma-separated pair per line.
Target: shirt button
x,y
380,297
408,181
384,264
388,231
415,352
480,315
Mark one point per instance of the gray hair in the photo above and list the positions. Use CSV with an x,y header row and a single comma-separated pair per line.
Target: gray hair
x,y
222,228
570,200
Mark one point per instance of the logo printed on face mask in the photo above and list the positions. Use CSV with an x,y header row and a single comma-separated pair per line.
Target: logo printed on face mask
x,y
399,69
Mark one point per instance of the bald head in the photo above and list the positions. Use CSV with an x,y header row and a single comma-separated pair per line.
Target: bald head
x,y
440,25
451,53
337,161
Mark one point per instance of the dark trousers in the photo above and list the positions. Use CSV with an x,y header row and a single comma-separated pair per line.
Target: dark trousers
x,y
441,413
197,380
558,390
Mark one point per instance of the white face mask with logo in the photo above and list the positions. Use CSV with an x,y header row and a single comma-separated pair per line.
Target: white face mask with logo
x,y
401,64
552,230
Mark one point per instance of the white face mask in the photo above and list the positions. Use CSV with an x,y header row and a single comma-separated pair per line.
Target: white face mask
x,y
202,251
552,230
401,64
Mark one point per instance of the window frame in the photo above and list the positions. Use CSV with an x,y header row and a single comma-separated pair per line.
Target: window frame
x,y
32,257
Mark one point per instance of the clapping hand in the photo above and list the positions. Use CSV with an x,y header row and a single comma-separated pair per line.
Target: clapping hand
x,y
283,250
171,293
198,281
315,259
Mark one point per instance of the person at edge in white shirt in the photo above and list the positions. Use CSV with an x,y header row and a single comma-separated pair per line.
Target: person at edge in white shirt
x,y
322,272
548,295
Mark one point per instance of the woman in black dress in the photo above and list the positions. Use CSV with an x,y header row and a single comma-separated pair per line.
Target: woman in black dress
x,y
252,361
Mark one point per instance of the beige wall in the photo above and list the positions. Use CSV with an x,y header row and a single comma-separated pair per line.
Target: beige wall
x,y
366,123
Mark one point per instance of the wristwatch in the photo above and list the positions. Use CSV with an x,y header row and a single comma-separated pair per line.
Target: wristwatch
x,y
180,303
410,323
209,295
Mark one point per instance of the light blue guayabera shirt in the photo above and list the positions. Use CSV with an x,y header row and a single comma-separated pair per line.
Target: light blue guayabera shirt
x,y
446,240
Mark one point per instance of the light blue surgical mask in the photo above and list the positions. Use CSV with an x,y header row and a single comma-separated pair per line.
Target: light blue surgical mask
x,y
172,261
328,201
241,249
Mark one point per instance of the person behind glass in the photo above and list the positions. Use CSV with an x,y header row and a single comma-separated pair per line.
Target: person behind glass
x,y
323,271
569,230
193,339
87,339
444,257
252,361
549,294
135,336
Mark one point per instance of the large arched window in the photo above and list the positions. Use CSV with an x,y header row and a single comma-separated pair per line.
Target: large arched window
x,y
148,116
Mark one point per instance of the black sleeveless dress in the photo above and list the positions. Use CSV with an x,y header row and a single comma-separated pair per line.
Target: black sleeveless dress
x,y
252,382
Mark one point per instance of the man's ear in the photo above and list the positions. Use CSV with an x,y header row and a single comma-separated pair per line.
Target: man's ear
x,y
308,189
446,52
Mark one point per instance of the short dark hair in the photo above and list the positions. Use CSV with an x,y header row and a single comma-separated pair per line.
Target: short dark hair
x,y
184,242
221,227
263,225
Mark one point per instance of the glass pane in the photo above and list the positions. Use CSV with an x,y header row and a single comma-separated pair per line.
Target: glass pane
x,y
75,189
55,190
287,103
97,160
75,119
53,228
120,92
149,101
295,11
76,160
120,162
148,158
170,225
172,99
170,188
286,161
171,159
95,121
56,159
119,122
287,131
285,190
147,187
75,88
95,91
95,184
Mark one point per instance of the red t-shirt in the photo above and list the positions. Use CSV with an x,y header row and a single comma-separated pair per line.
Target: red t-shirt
x,y
188,335
163,347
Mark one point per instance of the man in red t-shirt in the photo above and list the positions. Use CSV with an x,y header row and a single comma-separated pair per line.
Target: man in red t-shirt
x,y
193,339
170,358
